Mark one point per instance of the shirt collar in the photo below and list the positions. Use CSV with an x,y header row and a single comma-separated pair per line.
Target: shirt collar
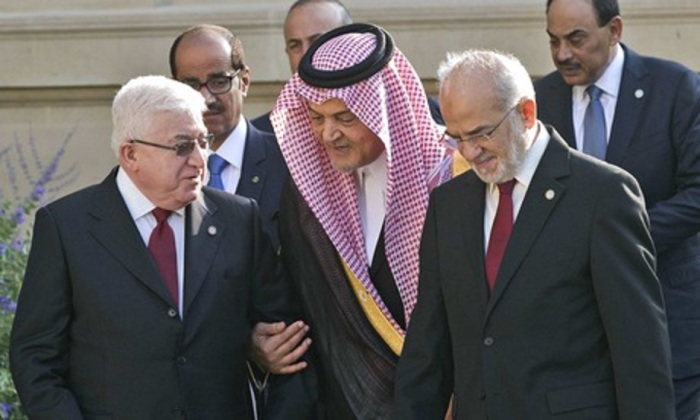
x,y
233,147
377,170
609,82
532,158
137,203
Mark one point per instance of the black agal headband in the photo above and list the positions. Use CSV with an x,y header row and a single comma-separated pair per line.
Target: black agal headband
x,y
351,75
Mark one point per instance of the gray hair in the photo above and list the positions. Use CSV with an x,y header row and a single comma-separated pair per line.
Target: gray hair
x,y
505,73
139,101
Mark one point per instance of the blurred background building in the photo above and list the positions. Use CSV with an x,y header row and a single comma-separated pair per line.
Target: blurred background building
x,y
61,61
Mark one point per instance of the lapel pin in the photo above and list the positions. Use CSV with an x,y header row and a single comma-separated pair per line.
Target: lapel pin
x,y
211,230
638,93
255,179
549,194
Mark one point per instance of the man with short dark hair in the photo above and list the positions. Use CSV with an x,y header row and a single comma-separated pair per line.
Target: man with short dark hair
x,y
244,160
649,124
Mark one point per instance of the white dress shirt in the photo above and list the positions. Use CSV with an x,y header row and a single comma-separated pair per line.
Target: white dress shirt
x,y
140,209
609,83
372,180
232,150
523,178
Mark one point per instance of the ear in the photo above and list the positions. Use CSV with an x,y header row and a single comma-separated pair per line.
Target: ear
x,y
529,112
244,77
128,157
615,28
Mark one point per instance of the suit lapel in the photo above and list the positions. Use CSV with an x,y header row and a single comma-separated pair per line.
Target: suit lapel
x,y
630,102
561,114
113,227
253,172
542,196
202,239
473,221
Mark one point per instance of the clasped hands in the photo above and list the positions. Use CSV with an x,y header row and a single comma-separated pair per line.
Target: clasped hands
x,y
278,348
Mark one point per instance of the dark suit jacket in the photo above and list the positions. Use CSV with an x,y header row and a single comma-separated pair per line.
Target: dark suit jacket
x,y
262,177
656,137
575,327
96,333
262,123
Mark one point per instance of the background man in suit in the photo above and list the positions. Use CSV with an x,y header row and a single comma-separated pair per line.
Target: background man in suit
x,y
306,20
140,292
537,295
245,160
363,152
651,113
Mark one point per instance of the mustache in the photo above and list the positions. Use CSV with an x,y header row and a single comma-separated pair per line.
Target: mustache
x,y
215,107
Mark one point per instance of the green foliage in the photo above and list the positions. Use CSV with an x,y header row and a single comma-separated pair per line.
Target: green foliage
x,y
15,234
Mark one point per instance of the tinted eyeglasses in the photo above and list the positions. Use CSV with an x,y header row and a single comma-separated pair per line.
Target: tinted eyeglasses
x,y
454,142
183,147
216,85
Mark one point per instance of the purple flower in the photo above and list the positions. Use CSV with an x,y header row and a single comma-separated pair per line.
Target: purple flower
x,y
7,305
6,409
17,244
3,249
38,192
19,217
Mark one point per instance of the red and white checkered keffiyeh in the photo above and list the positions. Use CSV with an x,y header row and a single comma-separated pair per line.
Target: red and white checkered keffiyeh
x,y
393,105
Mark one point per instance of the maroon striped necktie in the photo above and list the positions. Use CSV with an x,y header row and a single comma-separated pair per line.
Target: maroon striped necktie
x,y
162,247
500,231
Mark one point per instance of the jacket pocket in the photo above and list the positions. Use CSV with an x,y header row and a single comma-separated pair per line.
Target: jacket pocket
x,y
580,397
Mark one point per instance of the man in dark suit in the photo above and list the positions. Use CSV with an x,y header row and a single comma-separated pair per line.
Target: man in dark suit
x,y
537,295
140,292
211,60
652,130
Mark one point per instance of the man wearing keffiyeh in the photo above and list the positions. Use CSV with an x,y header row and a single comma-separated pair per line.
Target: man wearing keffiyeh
x,y
363,153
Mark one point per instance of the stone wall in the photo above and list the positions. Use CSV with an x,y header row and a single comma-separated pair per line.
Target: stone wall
x,y
63,60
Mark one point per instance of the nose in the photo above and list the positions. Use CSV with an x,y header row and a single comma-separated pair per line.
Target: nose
x,y
208,96
198,157
561,52
470,150
329,131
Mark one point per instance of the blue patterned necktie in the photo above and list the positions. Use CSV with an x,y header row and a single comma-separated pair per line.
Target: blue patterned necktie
x,y
594,133
216,166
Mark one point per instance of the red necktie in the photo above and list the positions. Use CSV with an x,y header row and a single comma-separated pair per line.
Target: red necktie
x,y
162,247
500,231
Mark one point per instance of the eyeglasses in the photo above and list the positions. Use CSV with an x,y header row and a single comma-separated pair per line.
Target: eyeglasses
x,y
454,142
182,148
216,85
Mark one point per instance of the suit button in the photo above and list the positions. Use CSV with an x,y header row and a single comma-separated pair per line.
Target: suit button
x,y
488,341
482,395
182,360
172,313
177,411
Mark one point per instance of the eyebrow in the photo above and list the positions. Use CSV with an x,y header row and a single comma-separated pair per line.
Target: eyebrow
x,y
567,35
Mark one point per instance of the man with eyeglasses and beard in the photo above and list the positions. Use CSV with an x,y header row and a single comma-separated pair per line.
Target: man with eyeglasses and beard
x,y
537,295
140,292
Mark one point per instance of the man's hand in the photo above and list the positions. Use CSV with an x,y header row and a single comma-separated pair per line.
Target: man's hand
x,y
277,348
